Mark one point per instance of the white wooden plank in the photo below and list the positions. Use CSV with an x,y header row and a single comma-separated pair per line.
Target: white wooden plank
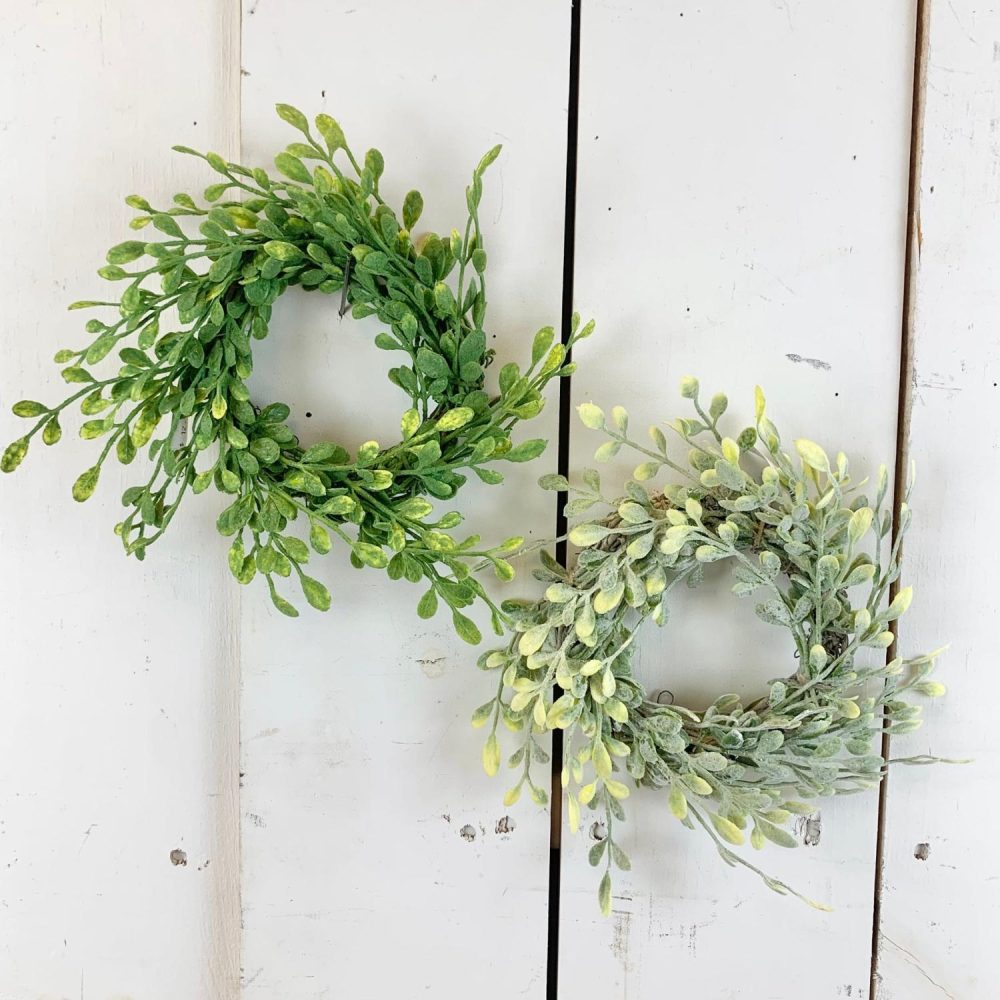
x,y
118,728
741,218
375,862
941,897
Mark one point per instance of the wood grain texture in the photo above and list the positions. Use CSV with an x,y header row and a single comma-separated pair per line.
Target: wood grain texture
x,y
378,859
118,729
941,895
741,218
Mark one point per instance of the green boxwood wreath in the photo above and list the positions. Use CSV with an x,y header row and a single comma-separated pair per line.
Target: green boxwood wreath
x,y
326,229
802,538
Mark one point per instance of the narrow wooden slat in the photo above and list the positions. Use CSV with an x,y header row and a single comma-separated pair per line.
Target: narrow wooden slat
x,y
941,879
378,859
741,218
118,727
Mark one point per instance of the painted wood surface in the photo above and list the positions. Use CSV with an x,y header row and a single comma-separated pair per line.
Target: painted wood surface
x,y
378,859
941,893
742,205
118,737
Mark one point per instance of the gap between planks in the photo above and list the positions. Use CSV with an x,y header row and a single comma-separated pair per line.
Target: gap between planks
x,y
911,265
226,931
565,419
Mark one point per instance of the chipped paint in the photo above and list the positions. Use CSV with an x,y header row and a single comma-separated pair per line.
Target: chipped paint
x,y
809,829
816,363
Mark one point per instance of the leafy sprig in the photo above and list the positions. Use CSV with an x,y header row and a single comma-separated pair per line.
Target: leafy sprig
x,y
818,556
183,330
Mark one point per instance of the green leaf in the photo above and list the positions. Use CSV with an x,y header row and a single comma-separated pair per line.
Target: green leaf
x,y
374,163
293,116
860,523
282,605
526,450
718,405
265,449
432,364
293,168
371,555
488,158
503,570
696,783
620,858
443,298
604,894
454,419
166,224
316,594
467,630
125,253
305,482
775,834
596,852
332,133
812,455
93,429
588,534
413,206
491,755
319,538
338,505
410,423
552,481
29,408
235,516
533,639
542,343
86,483
238,439
591,415
245,220
296,549
677,802
14,454
428,604
726,829
490,476
607,451
136,358
52,431
758,403
281,250
689,387
602,759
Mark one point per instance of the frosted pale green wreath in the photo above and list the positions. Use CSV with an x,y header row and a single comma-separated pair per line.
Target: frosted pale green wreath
x,y
805,540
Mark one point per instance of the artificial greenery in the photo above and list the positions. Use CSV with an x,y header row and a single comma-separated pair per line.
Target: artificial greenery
x,y
804,541
183,331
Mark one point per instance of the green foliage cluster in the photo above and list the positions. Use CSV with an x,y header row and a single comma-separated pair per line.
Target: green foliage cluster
x,y
805,542
183,331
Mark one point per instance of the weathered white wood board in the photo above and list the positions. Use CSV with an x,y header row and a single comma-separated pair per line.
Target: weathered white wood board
x,y
118,736
374,854
741,217
941,901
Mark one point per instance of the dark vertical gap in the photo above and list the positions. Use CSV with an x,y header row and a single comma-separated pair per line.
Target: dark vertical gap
x,y
921,45
565,414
